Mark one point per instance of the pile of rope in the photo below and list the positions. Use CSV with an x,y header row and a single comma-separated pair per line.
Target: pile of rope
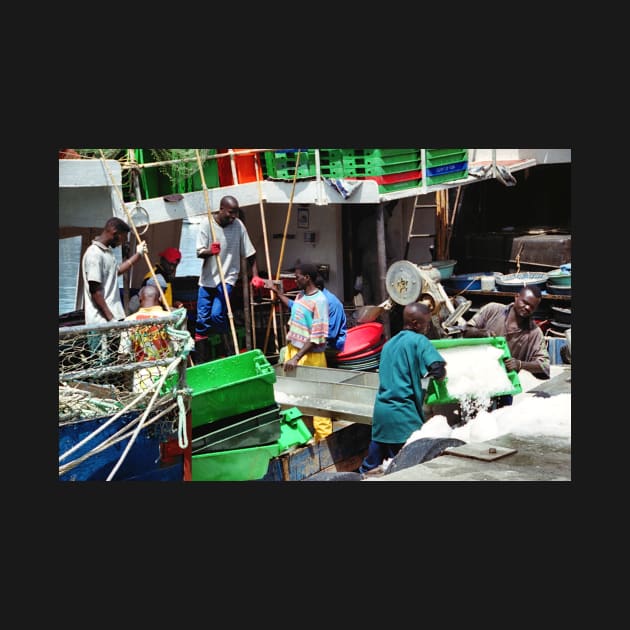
x,y
102,368
116,369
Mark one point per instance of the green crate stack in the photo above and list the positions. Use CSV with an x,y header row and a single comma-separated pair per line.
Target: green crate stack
x,y
331,163
230,386
440,157
377,162
281,164
411,183
436,158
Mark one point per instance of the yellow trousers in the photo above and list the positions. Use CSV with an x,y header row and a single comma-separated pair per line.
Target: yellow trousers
x,y
321,425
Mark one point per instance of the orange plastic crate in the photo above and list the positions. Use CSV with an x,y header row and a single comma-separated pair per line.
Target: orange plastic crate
x,y
245,165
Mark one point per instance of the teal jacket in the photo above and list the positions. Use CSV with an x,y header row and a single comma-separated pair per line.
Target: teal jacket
x,y
404,360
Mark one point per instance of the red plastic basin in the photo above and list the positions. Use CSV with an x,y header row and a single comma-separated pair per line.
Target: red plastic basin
x,y
360,338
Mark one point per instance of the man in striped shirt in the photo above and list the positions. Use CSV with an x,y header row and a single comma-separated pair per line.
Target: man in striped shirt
x,y
308,331
231,242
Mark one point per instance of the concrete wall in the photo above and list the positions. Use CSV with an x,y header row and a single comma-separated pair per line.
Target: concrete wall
x,y
324,221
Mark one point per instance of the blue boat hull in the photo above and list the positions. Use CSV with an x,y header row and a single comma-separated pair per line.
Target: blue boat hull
x,y
142,462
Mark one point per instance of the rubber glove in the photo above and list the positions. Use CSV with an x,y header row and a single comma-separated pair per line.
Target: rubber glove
x,y
142,248
258,282
215,248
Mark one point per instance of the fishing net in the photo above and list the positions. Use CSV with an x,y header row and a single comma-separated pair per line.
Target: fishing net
x,y
118,366
186,166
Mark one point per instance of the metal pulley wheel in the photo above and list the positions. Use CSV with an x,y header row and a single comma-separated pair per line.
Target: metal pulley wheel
x,y
139,215
403,282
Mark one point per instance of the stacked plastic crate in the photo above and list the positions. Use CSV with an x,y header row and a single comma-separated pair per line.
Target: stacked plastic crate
x,y
446,165
391,169
281,164
237,426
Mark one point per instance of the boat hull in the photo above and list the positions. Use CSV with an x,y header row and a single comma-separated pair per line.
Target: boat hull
x,y
143,462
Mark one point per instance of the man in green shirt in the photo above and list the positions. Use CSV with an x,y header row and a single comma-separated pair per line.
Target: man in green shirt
x,y
405,359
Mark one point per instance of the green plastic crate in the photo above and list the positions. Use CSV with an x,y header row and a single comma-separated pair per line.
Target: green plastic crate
x,y
384,169
210,173
241,464
411,183
230,386
249,464
437,392
376,152
458,155
447,177
256,429
377,161
153,182
433,153
281,164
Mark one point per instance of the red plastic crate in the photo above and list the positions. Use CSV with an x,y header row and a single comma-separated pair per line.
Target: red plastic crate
x,y
245,165
393,178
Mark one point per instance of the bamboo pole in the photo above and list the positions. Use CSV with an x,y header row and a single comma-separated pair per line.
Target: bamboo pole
x,y
219,266
133,227
267,258
284,239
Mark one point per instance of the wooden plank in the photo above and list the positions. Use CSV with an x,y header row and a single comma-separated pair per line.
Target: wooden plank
x,y
343,450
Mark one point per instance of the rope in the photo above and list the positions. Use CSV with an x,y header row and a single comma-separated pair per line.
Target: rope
x,y
115,417
158,386
182,435
219,265
121,434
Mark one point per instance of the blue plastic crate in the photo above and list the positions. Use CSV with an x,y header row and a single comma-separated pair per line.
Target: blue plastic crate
x,y
446,168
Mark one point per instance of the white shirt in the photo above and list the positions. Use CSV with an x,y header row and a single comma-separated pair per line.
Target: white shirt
x,y
235,243
100,265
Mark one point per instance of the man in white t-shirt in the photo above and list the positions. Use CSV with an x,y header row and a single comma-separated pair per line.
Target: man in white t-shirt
x,y
231,243
101,295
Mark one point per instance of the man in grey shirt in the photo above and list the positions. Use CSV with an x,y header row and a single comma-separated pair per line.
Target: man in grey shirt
x,y
231,243
101,295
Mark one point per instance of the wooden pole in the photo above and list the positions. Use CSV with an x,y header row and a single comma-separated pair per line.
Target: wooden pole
x,y
219,266
272,311
133,227
284,239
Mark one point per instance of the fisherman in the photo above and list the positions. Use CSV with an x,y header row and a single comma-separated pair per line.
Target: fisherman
x,y
164,272
514,322
308,331
101,295
231,244
147,343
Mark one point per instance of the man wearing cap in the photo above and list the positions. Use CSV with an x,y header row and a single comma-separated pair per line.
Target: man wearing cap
x,y
164,273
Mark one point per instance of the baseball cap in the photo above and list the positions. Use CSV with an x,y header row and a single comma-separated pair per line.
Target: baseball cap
x,y
171,254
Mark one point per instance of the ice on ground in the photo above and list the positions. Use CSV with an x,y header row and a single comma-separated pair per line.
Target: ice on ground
x,y
528,415
435,427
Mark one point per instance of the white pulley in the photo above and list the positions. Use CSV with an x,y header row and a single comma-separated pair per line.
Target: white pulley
x,y
403,282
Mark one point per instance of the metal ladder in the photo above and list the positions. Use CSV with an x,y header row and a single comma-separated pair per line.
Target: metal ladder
x,y
410,234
